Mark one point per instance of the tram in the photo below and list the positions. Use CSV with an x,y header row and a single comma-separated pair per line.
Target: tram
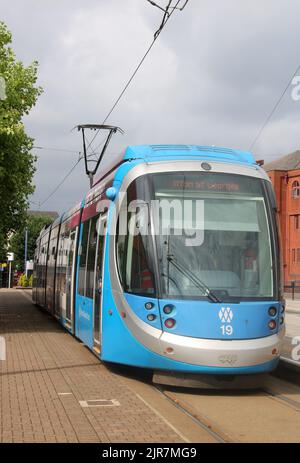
x,y
171,263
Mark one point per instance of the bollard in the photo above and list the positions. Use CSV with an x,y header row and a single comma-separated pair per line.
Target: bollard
x,y
293,289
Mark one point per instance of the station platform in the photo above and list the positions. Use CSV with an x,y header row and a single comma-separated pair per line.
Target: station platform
x,y
53,389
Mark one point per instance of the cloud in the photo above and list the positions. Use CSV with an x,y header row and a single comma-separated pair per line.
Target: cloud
x,y
212,77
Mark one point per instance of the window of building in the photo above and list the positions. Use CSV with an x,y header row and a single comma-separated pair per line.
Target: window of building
x,y
296,222
293,256
298,256
295,190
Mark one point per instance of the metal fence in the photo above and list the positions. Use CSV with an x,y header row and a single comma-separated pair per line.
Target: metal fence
x,y
293,289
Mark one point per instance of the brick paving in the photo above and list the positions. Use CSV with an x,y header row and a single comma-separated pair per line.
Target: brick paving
x,y
45,375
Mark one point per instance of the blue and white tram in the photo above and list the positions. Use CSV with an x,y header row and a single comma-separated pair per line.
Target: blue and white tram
x,y
172,263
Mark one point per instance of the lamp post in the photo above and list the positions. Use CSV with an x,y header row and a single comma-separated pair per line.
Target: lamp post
x,y
26,249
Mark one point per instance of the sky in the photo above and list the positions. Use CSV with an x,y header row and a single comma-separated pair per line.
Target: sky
x,y
212,78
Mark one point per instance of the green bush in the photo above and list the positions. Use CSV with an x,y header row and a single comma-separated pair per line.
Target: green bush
x,y
24,281
30,281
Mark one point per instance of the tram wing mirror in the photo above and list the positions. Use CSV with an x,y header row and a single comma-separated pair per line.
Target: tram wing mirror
x,y
111,193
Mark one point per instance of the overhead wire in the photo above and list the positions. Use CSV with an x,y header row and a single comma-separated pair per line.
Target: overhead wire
x,y
166,18
61,182
271,113
156,35
54,149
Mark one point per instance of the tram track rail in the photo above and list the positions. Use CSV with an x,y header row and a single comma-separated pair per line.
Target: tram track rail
x,y
292,362
204,423
283,399
226,416
290,400
220,435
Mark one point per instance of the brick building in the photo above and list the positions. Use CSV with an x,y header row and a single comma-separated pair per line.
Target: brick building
x,y
285,176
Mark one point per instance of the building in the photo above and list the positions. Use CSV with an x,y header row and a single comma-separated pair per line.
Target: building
x,y
285,176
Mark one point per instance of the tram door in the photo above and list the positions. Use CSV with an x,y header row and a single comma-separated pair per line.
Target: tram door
x,y
70,278
98,281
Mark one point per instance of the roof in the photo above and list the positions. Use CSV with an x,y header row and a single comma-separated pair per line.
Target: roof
x,y
163,152
287,162
154,152
148,153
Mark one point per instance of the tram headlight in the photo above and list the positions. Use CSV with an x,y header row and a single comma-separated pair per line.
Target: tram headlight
x,y
149,305
281,321
168,309
272,324
151,317
170,323
272,311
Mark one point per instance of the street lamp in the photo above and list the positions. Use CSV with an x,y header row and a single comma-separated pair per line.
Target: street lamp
x,y
26,250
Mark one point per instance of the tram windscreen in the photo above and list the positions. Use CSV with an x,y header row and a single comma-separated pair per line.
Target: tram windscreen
x,y
204,232
212,233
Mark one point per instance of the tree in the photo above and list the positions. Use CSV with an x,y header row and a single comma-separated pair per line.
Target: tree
x,y
34,226
18,94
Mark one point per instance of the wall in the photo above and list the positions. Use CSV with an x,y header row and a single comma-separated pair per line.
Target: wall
x,y
289,217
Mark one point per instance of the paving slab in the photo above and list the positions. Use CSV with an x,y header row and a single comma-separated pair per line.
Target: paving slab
x,y
47,377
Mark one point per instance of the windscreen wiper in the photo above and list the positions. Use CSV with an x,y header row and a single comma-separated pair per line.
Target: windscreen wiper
x,y
197,282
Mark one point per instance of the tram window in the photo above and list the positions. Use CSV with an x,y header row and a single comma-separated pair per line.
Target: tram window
x,y
133,261
83,258
65,247
90,268
134,246
121,254
59,273
233,255
139,278
70,251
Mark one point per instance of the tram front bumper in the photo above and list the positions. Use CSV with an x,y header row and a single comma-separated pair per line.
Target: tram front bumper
x,y
222,354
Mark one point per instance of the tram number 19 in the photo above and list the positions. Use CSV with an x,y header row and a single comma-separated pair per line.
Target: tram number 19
x,y
227,330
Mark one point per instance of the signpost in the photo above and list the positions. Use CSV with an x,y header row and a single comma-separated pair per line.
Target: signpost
x,y
10,258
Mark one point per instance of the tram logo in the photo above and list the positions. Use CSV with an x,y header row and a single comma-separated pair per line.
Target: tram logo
x,y
230,359
226,315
